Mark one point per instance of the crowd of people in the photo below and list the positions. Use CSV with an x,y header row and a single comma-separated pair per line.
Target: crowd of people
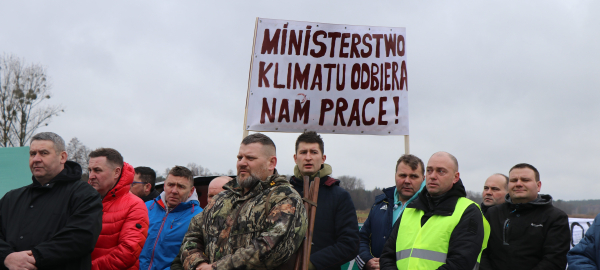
x,y
119,220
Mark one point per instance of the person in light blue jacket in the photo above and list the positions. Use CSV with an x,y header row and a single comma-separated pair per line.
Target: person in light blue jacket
x,y
585,255
170,215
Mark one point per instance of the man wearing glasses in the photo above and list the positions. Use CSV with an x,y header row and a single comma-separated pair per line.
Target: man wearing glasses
x,y
143,184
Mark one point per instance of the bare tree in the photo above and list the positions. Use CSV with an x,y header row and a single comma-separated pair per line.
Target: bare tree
x,y
198,170
474,196
351,182
79,153
23,89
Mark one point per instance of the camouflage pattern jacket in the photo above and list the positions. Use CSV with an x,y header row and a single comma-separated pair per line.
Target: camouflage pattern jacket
x,y
235,232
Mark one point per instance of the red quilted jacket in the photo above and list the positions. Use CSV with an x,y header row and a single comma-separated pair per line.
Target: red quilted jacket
x,y
124,227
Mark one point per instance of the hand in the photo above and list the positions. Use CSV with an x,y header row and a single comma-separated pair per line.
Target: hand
x,y
372,264
20,260
204,266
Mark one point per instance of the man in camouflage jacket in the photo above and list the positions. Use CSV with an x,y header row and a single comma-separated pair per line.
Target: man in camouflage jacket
x,y
258,222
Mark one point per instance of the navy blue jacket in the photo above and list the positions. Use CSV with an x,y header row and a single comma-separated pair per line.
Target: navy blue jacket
x,y
584,255
335,236
377,227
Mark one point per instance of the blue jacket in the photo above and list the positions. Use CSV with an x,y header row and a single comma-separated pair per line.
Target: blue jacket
x,y
166,231
585,255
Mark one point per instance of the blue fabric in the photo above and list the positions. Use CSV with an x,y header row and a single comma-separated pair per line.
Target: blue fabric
x,y
398,206
174,226
378,226
585,254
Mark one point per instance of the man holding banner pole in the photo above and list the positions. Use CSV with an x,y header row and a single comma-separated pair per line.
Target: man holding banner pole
x,y
335,237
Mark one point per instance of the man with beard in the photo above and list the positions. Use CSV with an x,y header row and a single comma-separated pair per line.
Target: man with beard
x,y
258,222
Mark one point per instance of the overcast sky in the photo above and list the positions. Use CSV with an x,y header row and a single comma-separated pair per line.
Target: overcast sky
x,y
495,83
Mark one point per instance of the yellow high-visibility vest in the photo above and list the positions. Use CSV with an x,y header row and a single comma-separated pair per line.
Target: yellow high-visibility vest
x,y
427,247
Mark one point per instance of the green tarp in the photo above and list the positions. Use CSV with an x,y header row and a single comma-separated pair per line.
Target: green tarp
x,y
14,168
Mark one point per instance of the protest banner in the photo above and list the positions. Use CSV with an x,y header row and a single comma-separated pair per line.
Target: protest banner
x,y
327,78
579,227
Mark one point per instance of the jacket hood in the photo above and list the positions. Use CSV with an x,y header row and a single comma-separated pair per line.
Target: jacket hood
x,y
324,171
123,184
190,202
71,173
442,205
389,193
323,174
541,200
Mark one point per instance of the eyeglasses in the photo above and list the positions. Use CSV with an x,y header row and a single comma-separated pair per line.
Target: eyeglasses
x,y
134,182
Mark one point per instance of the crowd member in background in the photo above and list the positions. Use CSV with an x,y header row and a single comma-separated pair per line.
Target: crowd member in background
x,y
409,176
216,186
441,229
494,191
143,184
258,222
54,222
586,254
527,231
335,236
125,217
170,216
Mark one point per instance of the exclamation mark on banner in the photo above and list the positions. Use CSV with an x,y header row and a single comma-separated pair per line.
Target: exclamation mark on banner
x,y
396,101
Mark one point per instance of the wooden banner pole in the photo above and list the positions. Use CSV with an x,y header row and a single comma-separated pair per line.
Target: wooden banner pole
x,y
406,145
245,127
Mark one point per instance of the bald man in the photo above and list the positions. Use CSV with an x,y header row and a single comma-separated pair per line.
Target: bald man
x,y
494,191
216,186
441,229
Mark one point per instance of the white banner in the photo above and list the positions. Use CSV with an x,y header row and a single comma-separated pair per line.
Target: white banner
x,y
328,78
579,227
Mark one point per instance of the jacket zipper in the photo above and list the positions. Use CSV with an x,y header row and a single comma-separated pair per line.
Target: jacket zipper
x,y
505,232
156,241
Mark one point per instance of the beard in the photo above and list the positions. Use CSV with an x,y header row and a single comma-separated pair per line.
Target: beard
x,y
248,182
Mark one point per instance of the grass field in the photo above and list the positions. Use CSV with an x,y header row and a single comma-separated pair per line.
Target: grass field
x,y
362,215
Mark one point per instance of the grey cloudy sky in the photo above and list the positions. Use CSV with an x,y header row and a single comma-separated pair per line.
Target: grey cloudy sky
x,y
493,82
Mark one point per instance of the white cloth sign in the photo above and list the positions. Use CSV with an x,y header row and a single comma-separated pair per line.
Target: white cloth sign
x,y
328,78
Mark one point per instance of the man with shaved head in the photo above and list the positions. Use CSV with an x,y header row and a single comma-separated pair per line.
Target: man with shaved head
x,y
494,191
216,186
441,229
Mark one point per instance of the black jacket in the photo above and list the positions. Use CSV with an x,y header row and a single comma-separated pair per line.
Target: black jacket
x,y
335,236
59,222
532,235
466,239
151,196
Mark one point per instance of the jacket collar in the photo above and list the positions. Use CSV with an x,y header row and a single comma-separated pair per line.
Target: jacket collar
x,y
273,180
190,202
123,184
443,205
71,173
541,201
323,174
